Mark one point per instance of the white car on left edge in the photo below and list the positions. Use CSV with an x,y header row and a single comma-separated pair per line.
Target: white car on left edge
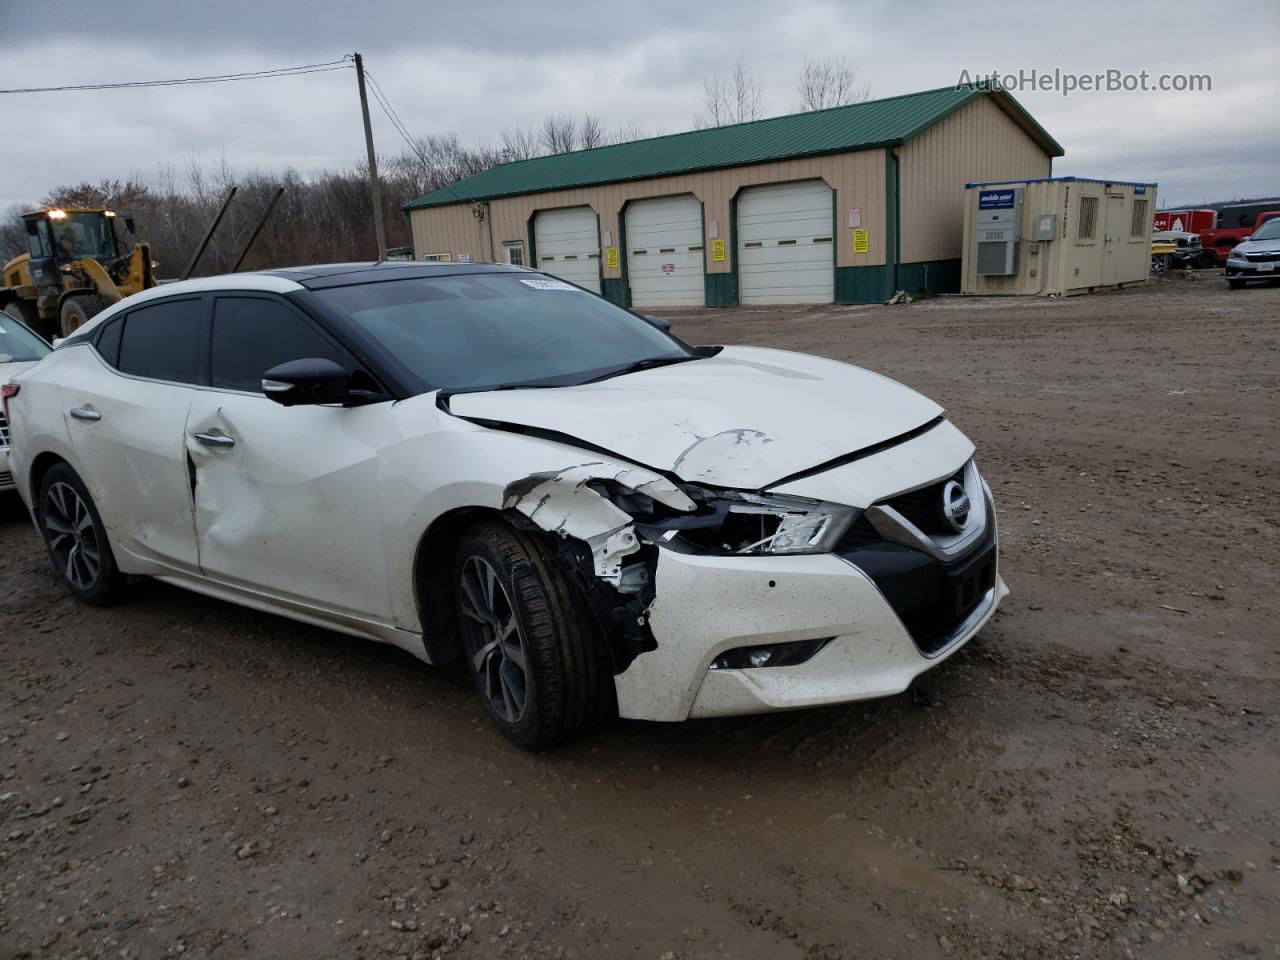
x,y
484,462
20,348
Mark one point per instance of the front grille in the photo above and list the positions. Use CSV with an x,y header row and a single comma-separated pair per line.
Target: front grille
x,y
931,597
4,431
1262,257
923,507
6,478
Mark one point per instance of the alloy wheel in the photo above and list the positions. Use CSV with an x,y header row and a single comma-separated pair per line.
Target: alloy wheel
x,y
494,640
72,536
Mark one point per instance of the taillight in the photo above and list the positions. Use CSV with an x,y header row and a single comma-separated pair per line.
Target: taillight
x,y
7,391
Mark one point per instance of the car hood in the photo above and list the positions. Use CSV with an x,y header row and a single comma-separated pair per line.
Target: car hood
x,y
10,370
1259,246
744,418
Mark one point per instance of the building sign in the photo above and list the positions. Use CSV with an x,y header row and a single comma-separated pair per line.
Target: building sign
x,y
995,200
1139,190
668,269
717,251
855,217
713,229
611,258
861,240
463,257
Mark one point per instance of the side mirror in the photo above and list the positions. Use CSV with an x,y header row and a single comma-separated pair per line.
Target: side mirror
x,y
660,322
310,381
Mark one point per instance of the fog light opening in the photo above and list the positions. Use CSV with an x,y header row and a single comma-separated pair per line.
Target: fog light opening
x,y
769,655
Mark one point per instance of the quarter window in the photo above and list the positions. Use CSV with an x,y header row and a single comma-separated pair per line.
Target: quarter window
x,y
109,341
251,335
162,341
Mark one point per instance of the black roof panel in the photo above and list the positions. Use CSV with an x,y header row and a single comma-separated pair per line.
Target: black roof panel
x,y
343,274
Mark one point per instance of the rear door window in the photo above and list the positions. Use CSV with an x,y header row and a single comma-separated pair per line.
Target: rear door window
x,y
162,341
253,334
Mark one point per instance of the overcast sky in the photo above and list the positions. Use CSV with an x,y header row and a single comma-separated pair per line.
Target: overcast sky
x,y
475,68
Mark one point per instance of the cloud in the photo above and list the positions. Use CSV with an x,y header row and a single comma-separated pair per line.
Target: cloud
x,y
477,68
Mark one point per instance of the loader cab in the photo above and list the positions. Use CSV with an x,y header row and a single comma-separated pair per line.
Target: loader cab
x,y
67,235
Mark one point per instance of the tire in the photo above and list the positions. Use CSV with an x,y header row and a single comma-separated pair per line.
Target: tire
x,y
507,588
75,537
1159,263
77,310
1235,284
1207,261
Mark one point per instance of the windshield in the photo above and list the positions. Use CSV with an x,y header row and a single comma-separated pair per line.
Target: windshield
x,y
18,343
481,331
1268,231
84,235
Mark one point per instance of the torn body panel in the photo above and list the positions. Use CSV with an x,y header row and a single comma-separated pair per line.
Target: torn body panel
x,y
571,503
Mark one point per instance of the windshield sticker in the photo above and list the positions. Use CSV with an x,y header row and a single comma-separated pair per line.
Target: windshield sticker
x,y
543,283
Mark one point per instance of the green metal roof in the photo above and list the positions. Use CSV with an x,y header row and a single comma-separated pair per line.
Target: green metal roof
x,y
857,126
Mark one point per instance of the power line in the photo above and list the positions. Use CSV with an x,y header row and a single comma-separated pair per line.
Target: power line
x,y
385,103
300,70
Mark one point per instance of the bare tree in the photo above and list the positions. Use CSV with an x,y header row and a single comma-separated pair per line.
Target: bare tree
x,y
591,132
559,133
733,99
520,143
628,132
830,82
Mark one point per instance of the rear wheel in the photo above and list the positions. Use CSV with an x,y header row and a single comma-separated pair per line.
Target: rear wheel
x,y
1159,263
531,645
77,541
78,310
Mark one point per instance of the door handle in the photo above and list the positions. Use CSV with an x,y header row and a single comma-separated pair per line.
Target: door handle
x,y
214,439
86,413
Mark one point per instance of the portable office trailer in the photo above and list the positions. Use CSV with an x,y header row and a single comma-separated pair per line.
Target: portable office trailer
x,y
1058,236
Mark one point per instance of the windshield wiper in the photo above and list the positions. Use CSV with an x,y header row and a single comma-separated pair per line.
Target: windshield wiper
x,y
646,364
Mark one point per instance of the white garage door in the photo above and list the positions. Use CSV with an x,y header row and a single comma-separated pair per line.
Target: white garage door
x,y
664,252
784,244
568,245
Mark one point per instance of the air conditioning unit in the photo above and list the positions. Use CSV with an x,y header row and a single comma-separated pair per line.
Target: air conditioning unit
x,y
999,229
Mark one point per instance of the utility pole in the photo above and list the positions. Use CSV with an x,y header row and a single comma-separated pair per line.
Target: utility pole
x,y
375,189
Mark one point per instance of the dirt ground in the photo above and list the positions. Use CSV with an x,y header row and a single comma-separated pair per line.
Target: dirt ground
x,y
1098,775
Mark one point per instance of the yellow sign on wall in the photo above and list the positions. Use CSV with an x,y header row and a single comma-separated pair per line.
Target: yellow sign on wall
x,y
717,250
861,240
611,256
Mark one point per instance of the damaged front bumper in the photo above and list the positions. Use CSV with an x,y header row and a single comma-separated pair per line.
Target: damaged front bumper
x,y
708,605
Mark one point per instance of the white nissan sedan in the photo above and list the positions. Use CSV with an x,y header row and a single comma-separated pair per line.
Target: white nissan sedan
x,y
486,462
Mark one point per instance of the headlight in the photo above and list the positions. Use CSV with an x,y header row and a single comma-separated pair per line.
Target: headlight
x,y
1235,254
755,524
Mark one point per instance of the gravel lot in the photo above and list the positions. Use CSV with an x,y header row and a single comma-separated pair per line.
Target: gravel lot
x,y
1097,775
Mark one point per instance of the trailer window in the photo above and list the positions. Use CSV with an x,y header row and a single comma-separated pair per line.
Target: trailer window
x,y
1138,224
1088,218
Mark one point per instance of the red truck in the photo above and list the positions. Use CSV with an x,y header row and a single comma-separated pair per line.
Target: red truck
x,y
1190,221
1235,223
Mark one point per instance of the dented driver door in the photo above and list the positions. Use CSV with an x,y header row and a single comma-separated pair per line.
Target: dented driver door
x,y
286,498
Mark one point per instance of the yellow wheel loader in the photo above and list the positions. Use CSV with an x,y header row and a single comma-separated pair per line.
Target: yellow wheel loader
x,y
75,266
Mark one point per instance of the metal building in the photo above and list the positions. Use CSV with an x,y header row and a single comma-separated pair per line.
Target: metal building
x,y
844,205
1058,236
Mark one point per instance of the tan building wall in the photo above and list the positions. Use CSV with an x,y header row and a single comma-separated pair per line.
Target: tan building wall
x,y
1070,263
979,142
857,178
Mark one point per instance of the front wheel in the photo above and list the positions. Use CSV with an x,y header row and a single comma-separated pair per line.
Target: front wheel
x,y
538,661
76,538
1235,284
78,310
